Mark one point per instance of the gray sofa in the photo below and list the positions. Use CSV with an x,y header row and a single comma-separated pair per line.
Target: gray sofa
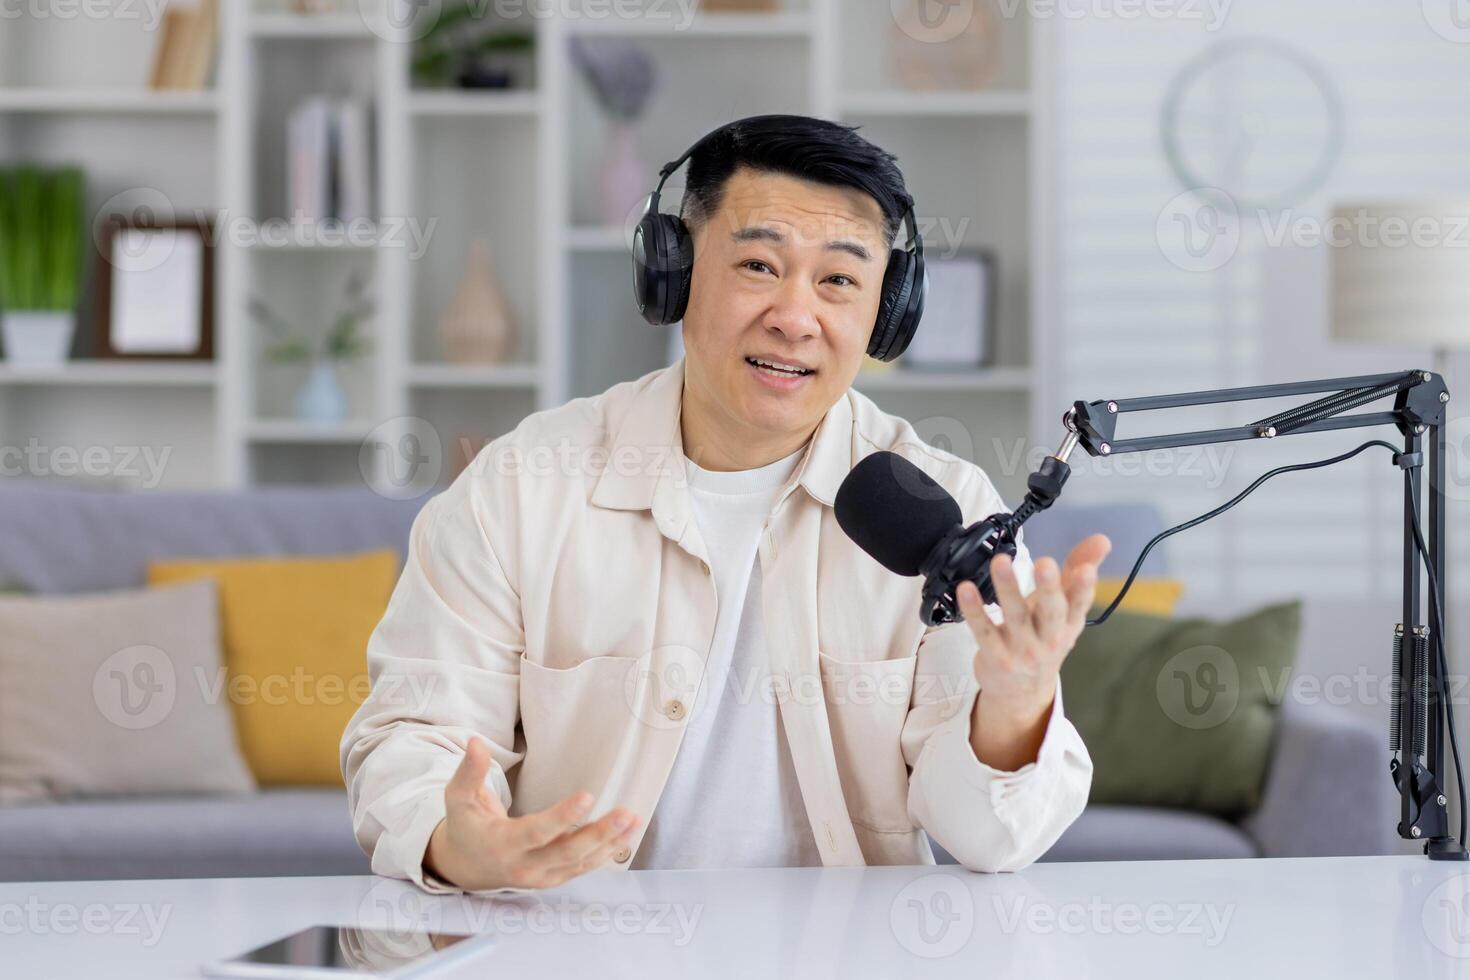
x,y
1327,792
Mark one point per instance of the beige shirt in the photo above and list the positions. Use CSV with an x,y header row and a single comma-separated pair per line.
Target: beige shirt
x,y
557,602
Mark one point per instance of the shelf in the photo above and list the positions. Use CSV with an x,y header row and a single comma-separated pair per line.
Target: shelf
x,y
587,239
97,102
946,104
473,376
295,431
113,374
488,102
984,379
797,24
310,25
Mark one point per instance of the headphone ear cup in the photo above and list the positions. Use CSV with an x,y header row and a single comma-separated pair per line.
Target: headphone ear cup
x,y
661,267
894,303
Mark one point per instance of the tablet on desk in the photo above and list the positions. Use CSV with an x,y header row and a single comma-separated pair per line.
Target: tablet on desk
x,y
343,952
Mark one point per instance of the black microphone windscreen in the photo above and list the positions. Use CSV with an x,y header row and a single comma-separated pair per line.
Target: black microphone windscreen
x,y
894,511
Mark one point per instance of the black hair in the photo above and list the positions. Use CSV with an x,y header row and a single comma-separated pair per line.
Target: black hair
x,y
797,146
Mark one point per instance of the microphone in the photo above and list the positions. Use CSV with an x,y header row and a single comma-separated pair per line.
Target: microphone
x,y
911,526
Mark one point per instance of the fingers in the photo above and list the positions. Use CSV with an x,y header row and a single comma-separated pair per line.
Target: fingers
x,y
972,607
1081,594
1090,551
536,830
467,786
1008,594
1050,608
589,847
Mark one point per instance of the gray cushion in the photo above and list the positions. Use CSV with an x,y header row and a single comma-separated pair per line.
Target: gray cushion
x,y
60,539
273,832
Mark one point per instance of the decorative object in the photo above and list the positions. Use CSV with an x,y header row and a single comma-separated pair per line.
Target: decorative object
x,y
477,327
958,49
321,398
1270,143
959,313
41,226
281,617
623,77
462,48
1416,294
155,288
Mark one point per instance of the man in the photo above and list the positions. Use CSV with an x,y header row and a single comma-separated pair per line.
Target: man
x,y
640,605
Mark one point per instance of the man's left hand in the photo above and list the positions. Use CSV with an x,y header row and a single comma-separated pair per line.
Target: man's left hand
x,y
1019,660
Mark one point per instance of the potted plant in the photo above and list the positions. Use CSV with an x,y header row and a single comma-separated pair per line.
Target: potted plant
x,y
41,219
460,49
321,398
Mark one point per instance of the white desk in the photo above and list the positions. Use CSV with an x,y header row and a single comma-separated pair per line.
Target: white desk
x,y
1383,917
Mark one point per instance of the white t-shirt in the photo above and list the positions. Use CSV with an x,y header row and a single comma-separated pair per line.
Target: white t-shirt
x,y
732,799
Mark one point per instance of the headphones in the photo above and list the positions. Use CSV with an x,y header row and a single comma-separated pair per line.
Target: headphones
x,y
663,265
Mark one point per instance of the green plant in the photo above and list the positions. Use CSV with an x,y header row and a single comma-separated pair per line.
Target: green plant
x,y
458,39
41,222
342,342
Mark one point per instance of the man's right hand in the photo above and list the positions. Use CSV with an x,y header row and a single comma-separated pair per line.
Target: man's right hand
x,y
478,845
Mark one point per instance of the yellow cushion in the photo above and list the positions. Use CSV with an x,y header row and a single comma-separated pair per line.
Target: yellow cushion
x,y
295,643
1151,596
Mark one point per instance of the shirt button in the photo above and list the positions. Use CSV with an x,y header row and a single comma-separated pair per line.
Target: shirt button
x,y
622,855
674,709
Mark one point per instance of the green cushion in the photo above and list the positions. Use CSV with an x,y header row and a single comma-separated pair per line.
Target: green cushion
x,y
1181,712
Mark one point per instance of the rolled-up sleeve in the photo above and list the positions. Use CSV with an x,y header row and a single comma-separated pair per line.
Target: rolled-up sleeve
x,y
444,665
987,819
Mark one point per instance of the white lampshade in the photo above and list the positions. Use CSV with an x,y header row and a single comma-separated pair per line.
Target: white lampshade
x,y
1401,272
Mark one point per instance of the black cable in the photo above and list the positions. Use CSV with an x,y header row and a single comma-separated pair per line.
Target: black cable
x,y
1435,596
1137,565
1437,624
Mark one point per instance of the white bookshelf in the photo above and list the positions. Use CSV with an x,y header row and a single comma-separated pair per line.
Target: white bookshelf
x,y
516,167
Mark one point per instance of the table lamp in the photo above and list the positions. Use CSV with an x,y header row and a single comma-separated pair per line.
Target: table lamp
x,y
1401,273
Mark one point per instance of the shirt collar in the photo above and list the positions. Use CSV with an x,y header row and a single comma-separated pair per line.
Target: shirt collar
x,y
646,450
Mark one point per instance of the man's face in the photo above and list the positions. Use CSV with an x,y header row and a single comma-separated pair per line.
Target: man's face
x,y
786,271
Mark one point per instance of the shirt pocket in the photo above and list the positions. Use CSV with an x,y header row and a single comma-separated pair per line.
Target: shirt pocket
x,y
576,721
867,703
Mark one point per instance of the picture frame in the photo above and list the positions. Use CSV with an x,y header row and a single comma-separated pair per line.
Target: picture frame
x,y
958,328
155,289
